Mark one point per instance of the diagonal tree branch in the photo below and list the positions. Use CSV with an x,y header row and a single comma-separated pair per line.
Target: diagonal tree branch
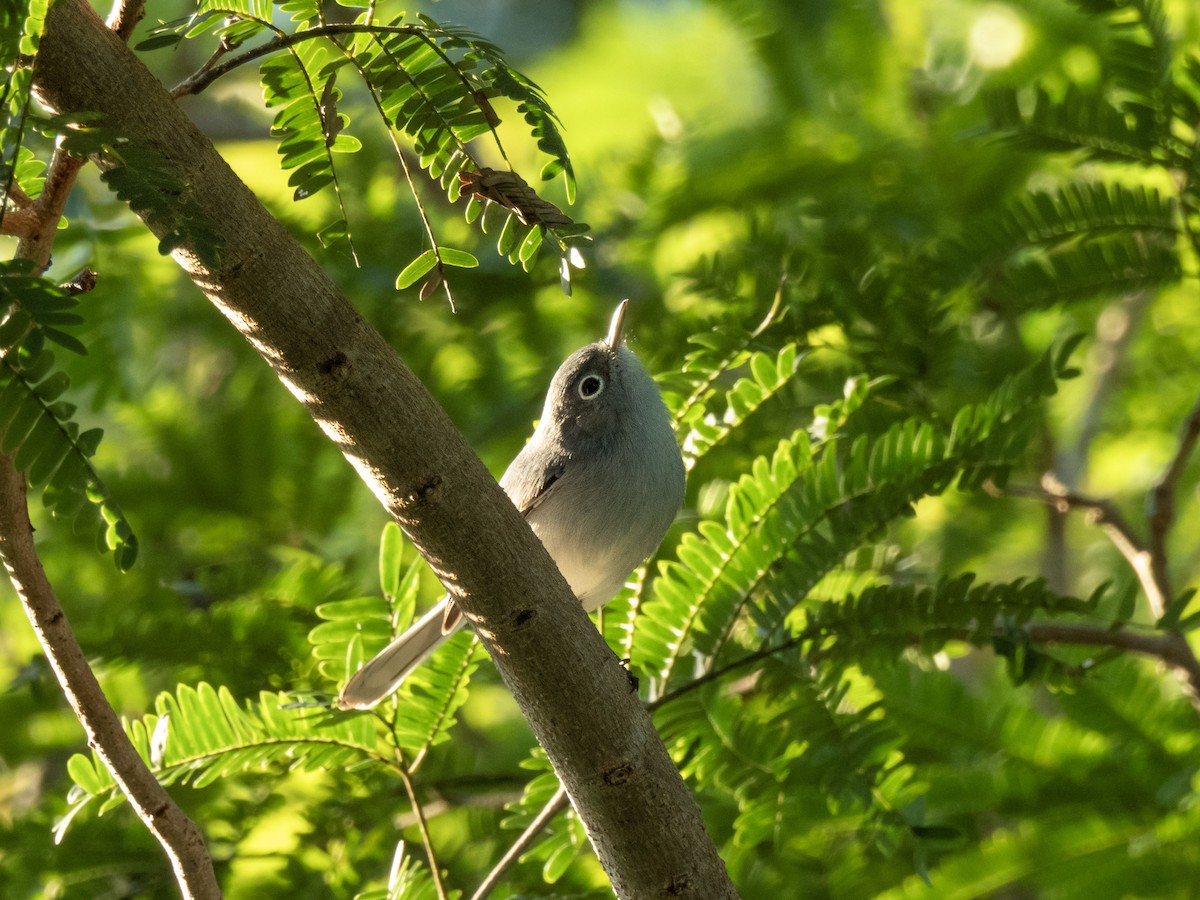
x,y
553,807
641,818
178,835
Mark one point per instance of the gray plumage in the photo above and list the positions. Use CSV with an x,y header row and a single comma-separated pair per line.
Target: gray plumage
x,y
599,482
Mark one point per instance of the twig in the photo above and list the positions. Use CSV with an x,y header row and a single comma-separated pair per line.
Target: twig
x,y
424,829
556,805
37,242
408,175
1161,501
125,16
19,198
198,81
178,835
1104,513
1170,647
1115,329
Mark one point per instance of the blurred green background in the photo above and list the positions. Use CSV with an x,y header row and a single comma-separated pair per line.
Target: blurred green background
x,y
722,149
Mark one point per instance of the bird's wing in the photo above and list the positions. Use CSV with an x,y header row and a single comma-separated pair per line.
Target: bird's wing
x,y
528,482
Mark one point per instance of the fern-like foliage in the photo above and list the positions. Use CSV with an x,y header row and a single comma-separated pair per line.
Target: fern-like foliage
x,y
432,87
21,27
794,517
810,757
200,734
1100,236
420,715
880,623
408,880
36,424
1076,211
766,376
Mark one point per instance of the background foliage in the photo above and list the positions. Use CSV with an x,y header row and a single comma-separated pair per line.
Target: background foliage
x,y
891,258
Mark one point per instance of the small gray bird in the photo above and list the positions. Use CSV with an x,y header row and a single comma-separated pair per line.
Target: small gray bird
x,y
599,483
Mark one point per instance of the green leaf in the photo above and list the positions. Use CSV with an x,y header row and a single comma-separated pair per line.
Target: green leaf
x,y
415,270
459,258
391,548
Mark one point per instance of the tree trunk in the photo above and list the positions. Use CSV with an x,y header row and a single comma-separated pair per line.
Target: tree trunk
x,y
641,818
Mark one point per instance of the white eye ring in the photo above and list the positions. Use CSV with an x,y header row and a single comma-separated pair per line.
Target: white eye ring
x,y
590,386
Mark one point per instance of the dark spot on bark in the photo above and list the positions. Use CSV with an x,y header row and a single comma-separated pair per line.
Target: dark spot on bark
x,y
618,775
333,364
679,885
426,491
524,617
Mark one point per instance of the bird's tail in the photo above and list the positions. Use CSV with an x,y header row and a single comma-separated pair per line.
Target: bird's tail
x,y
384,672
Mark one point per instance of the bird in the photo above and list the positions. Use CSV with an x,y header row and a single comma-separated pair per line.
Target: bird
x,y
599,482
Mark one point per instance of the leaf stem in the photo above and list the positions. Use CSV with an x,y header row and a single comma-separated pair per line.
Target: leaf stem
x,y
201,79
424,829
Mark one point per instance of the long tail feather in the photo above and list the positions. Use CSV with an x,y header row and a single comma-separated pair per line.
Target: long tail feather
x,y
383,673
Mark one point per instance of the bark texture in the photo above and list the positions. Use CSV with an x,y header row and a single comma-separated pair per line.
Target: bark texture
x,y
642,820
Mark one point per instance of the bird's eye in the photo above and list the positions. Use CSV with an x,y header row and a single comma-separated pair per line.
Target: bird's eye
x,y
590,386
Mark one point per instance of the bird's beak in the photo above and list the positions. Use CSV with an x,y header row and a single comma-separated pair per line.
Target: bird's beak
x,y
616,331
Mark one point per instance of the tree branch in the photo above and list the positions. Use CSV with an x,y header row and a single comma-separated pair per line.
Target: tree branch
x,y
553,807
125,16
178,835
38,240
641,818
1169,647
1161,502
1104,513
210,72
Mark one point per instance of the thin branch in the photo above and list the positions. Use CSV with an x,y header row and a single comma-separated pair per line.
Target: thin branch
x,y
125,16
19,198
556,804
1161,501
210,72
408,175
178,835
1115,329
1169,647
181,840
37,243
423,827
1104,513
198,81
